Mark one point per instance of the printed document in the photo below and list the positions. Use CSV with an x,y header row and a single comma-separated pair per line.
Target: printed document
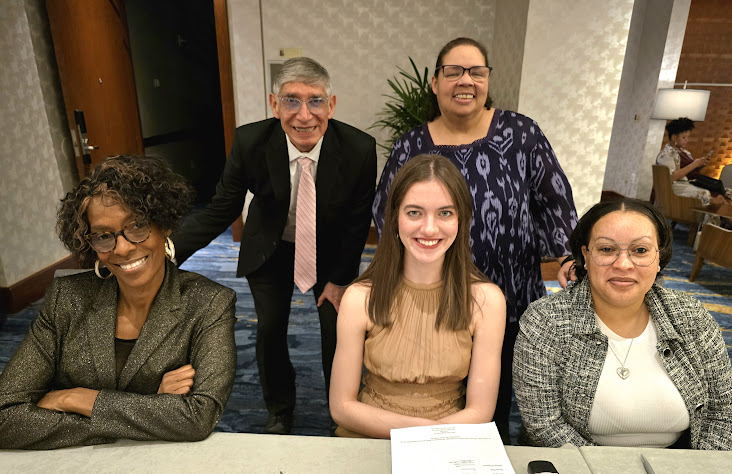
x,y
463,449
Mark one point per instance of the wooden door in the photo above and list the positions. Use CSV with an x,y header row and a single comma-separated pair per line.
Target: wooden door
x,y
92,47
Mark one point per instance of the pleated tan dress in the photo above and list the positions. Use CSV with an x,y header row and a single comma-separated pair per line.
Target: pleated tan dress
x,y
412,368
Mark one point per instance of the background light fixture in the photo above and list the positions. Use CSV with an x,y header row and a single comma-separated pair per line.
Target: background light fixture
x,y
674,103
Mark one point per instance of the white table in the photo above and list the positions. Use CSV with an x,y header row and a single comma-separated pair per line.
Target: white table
x,y
611,460
250,453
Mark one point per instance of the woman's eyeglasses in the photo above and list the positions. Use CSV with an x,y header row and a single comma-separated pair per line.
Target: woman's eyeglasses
x,y
104,242
453,73
642,255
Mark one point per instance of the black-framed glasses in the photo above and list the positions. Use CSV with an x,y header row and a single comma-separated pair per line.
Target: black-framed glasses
x,y
642,255
316,105
133,232
453,72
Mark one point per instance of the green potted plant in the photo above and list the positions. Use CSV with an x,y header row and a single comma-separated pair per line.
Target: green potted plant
x,y
410,104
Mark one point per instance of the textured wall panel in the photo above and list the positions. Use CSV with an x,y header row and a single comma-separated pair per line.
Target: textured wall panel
x,y
51,89
573,60
669,66
506,55
245,36
362,43
637,95
30,184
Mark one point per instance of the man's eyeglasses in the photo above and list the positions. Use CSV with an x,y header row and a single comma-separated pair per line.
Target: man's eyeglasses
x,y
642,255
104,242
316,105
454,73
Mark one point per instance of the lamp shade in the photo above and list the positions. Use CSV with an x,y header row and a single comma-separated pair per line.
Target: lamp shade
x,y
674,103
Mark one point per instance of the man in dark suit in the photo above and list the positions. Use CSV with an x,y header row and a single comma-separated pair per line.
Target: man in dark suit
x,y
274,159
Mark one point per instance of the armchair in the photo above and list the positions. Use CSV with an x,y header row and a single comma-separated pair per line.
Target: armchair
x,y
715,245
672,206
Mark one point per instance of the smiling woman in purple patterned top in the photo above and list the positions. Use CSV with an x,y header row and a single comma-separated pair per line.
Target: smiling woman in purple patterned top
x,y
522,202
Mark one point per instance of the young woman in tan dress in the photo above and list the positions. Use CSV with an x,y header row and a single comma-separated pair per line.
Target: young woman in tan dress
x,y
421,318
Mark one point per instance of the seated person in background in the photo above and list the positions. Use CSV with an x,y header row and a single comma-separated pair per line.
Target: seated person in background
x,y
616,360
683,167
138,349
421,317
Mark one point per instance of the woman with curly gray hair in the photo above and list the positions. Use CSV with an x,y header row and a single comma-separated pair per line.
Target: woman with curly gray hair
x,y
137,349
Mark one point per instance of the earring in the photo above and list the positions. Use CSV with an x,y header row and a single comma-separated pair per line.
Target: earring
x,y
659,268
585,266
99,273
169,249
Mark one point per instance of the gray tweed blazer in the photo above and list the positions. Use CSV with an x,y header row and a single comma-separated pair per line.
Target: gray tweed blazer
x,y
560,353
71,344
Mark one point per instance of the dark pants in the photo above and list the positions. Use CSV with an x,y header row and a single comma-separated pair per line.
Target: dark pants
x,y
505,389
272,286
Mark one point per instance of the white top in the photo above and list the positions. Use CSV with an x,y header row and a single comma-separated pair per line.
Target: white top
x,y
294,154
643,410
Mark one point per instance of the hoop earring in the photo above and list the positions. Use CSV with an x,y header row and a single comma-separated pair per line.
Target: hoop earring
x,y
169,249
99,273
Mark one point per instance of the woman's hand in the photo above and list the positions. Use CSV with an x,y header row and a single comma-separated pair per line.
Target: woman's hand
x,y
701,162
178,381
695,164
74,400
566,272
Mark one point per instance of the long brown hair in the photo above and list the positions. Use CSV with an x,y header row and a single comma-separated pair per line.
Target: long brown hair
x,y
384,275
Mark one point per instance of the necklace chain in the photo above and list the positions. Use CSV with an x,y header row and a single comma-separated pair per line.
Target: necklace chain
x,y
622,371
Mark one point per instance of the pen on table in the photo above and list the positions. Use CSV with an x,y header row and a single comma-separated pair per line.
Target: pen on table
x,y
647,465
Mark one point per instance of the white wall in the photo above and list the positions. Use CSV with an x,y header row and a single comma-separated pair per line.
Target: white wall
x,y
507,53
245,37
666,79
570,54
360,43
30,182
573,60
627,161
558,61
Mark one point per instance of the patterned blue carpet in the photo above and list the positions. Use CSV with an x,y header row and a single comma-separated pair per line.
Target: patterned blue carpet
x,y
245,411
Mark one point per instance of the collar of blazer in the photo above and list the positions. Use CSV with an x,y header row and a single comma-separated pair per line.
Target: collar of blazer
x,y
163,316
581,310
656,300
330,166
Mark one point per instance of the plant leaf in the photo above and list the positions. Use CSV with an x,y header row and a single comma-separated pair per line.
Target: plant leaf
x,y
410,104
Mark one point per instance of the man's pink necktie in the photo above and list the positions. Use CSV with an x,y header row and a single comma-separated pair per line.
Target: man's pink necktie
x,y
305,262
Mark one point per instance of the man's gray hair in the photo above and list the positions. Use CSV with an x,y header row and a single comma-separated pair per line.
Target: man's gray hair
x,y
304,70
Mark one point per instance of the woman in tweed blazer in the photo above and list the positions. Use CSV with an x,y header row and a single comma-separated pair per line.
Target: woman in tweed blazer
x,y
578,376
142,350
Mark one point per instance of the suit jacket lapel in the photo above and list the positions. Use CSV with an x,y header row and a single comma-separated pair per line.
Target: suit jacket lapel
x,y
101,327
164,314
329,172
278,164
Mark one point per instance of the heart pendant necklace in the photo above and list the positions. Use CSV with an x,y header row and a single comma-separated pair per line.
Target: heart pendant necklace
x,y
622,371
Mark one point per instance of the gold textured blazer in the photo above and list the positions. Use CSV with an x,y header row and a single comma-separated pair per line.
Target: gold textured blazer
x,y
71,344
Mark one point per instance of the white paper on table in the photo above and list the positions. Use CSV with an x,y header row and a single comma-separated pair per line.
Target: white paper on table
x,y
449,449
